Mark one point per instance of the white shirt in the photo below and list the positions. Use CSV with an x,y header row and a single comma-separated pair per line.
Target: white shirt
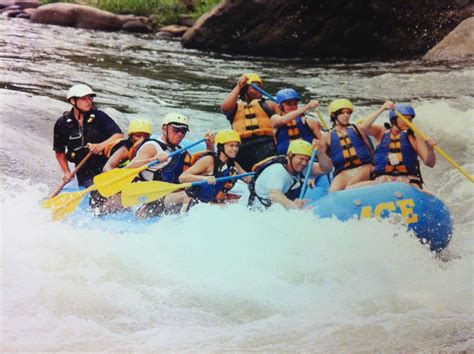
x,y
148,173
274,176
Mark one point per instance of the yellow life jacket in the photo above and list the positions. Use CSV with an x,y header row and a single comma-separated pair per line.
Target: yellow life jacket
x,y
251,119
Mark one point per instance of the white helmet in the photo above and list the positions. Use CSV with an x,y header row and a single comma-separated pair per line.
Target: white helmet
x,y
79,90
176,119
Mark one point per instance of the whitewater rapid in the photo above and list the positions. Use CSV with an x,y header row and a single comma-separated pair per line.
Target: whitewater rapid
x,y
221,279
225,279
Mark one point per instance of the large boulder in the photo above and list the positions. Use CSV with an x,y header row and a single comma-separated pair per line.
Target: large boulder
x,y
457,45
80,16
21,4
326,28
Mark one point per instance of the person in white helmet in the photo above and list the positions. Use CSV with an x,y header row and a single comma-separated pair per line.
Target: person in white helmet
x,y
175,126
80,130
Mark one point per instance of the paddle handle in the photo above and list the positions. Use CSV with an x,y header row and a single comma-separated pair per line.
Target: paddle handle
x,y
223,179
321,118
263,92
177,152
60,187
308,173
436,147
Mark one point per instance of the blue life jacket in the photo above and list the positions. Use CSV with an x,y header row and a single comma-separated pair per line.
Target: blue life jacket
x,y
292,193
402,150
349,151
171,172
296,129
214,192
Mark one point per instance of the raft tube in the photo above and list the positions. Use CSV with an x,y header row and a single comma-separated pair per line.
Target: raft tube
x,y
425,214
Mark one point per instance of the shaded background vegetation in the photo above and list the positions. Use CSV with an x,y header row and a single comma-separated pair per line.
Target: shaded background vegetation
x,y
164,11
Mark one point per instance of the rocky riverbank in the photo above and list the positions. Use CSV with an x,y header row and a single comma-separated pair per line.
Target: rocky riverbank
x,y
377,29
87,17
371,29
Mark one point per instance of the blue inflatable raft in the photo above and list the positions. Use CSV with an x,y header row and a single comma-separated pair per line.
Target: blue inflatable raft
x,y
425,214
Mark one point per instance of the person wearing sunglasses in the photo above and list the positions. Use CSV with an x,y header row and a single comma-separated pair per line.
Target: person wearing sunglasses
x,y
174,128
82,129
291,124
249,114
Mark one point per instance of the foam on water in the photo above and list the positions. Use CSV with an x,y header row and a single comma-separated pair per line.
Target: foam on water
x,y
225,279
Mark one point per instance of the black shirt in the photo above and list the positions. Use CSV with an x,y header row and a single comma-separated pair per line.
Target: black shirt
x,y
71,138
97,127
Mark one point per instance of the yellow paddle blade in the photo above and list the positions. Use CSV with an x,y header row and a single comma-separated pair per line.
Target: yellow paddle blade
x,y
145,192
113,181
64,204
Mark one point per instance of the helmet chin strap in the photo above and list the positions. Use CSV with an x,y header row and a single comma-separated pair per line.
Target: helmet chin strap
x,y
166,136
290,159
221,148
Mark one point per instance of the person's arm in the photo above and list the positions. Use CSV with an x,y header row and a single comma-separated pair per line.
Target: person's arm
x,y
59,146
210,139
274,107
324,164
377,131
315,127
323,147
109,128
231,100
279,120
277,196
63,163
98,149
148,153
426,151
369,120
116,159
240,170
200,171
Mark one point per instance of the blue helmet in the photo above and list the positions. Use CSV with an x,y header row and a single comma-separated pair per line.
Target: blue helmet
x,y
286,95
404,109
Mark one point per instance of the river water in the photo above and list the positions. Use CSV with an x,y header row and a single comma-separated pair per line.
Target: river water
x,y
221,280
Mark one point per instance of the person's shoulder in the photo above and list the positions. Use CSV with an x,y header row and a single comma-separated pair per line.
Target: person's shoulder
x,y
99,114
274,168
63,118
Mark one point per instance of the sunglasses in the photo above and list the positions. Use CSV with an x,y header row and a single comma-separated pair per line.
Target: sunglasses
x,y
177,130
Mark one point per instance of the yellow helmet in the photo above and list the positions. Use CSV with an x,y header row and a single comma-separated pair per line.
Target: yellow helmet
x,y
175,118
253,78
140,126
226,136
340,104
300,147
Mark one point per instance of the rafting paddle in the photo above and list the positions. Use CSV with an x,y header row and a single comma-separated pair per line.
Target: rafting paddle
x,y
436,147
73,173
145,192
64,204
304,188
113,181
